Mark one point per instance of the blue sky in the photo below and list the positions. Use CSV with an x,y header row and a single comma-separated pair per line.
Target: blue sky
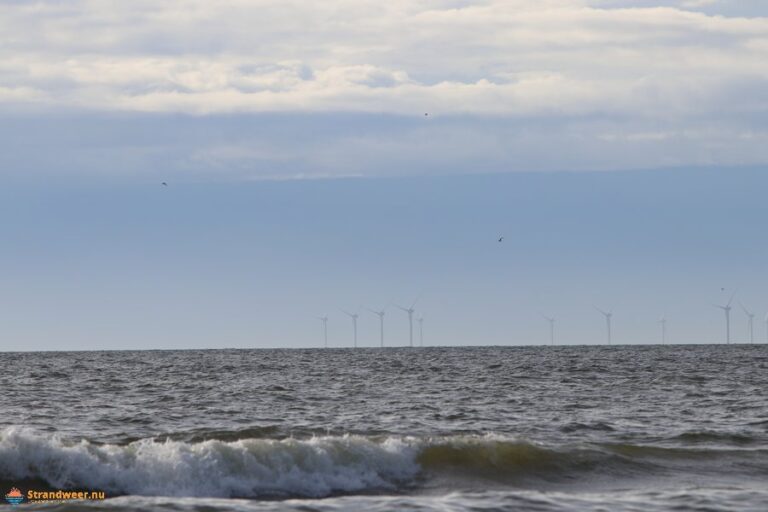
x,y
116,265
619,146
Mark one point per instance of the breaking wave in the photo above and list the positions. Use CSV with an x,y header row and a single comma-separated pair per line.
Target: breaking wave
x,y
318,466
313,467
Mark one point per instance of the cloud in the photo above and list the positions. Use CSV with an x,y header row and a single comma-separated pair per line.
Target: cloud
x,y
650,67
499,56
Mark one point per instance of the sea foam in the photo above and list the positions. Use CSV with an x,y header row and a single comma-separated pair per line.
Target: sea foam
x,y
314,467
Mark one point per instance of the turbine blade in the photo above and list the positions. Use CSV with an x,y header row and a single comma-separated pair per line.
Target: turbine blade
x,y
746,311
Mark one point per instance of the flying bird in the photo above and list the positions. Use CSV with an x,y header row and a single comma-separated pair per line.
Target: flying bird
x,y
165,184
501,239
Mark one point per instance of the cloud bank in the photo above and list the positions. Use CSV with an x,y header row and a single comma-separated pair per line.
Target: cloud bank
x,y
608,82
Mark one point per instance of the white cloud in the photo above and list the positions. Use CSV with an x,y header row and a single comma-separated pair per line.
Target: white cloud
x,y
637,63
497,56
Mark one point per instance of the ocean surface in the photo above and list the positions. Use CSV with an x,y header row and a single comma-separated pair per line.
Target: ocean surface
x,y
623,428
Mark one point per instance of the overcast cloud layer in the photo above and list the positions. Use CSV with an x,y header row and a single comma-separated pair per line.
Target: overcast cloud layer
x,y
509,84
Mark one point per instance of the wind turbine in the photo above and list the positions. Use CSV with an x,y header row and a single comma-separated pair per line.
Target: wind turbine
x,y
421,330
663,323
551,321
608,315
324,319
353,316
380,314
727,309
751,324
410,311
766,327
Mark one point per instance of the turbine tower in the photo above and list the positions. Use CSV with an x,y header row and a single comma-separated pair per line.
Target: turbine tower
x,y
727,309
663,323
421,331
353,316
608,316
766,327
410,311
751,317
324,319
380,314
551,321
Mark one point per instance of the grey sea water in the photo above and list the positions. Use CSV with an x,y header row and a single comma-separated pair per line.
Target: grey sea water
x,y
625,428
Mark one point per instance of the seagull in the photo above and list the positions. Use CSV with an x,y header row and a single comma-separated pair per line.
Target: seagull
x,y
501,239
165,184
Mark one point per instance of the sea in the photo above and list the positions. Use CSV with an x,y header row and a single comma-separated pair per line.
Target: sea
x,y
577,428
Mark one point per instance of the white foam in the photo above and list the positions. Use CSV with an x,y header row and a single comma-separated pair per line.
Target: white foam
x,y
247,468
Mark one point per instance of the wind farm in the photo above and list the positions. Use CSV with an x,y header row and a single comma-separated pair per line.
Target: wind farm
x,y
380,313
408,337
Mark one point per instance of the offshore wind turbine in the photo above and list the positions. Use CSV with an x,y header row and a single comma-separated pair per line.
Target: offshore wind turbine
x,y
353,316
727,309
410,311
324,319
380,314
421,330
663,323
766,327
608,316
551,321
751,317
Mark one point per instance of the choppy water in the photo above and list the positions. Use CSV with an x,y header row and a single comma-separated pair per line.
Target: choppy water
x,y
530,429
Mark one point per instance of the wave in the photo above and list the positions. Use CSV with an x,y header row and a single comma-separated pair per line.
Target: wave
x,y
319,466
315,467
711,437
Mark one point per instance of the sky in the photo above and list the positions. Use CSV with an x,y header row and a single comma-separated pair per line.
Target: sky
x,y
351,154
